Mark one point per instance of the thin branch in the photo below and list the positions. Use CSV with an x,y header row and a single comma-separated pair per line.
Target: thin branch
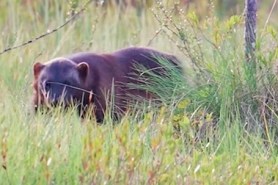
x,y
72,18
270,13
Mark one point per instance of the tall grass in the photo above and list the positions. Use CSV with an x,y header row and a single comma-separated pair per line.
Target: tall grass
x,y
214,126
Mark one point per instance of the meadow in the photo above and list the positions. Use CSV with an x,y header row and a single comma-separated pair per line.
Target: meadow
x,y
218,123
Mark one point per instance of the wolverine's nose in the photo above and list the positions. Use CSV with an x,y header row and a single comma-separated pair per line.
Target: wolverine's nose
x,y
54,101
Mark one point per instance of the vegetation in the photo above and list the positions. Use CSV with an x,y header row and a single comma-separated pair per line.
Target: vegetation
x,y
216,124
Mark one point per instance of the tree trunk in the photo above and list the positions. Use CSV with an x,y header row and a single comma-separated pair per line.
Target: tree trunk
x,y
250,64
250,29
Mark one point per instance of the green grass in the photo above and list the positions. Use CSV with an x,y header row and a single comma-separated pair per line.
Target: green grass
x,y
214,126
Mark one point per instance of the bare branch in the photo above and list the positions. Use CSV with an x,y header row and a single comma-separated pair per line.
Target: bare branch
x,y
71,19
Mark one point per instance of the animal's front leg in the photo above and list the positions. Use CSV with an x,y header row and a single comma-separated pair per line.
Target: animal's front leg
x,y
38,103
99,108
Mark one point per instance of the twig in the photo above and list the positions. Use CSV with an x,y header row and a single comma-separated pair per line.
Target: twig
x,y
155,35
49,32
270,13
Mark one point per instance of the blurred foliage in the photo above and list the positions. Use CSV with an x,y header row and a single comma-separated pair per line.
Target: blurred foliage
x,y
203,8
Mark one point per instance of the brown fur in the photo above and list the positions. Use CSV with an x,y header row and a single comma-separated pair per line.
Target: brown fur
x,y
97,74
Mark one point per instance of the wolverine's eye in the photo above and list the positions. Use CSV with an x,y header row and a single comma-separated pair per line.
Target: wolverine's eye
x,y
47,86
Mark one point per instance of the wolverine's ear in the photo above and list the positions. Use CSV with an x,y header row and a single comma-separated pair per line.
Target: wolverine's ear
x,y
37,68
83,69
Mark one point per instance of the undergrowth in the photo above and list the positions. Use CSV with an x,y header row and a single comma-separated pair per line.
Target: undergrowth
x,y
217,123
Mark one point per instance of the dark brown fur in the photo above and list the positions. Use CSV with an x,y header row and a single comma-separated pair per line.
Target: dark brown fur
x,y
95,73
